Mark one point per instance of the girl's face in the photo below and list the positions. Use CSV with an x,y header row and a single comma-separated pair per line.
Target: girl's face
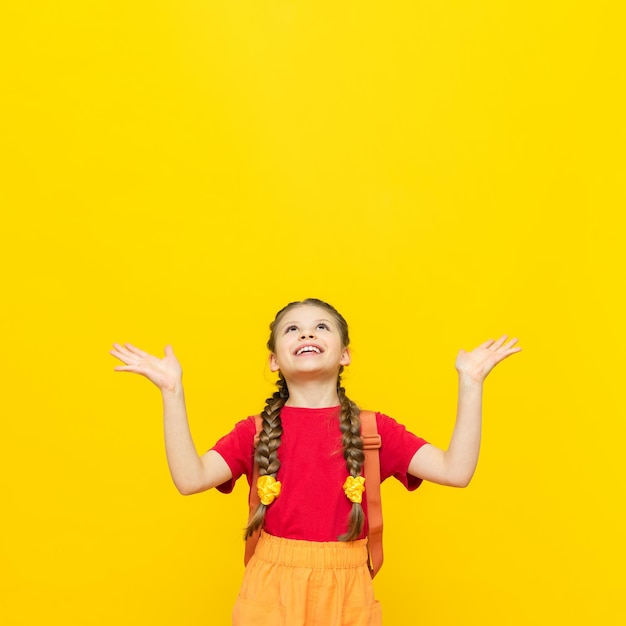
x,y
308,344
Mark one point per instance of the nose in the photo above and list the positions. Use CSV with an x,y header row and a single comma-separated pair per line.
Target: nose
x,y
306,335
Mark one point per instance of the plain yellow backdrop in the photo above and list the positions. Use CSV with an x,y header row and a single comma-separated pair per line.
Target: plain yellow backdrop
x,y
442,172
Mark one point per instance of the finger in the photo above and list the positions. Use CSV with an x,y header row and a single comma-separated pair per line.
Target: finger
x,y
135,350
122,349
486,344
499,342
510,346
169,351
125,355
128,368
119,355
504,354
511,343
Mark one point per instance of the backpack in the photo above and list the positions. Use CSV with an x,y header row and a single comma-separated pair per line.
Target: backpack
x,y
371,471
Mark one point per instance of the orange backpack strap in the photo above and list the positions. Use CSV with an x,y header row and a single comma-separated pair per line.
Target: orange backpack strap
x,y
253,500
371,471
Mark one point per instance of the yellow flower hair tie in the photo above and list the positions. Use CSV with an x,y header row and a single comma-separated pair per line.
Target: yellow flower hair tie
x,y
354,488
268,488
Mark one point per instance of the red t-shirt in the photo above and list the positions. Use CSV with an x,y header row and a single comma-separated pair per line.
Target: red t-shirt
x,y
312,504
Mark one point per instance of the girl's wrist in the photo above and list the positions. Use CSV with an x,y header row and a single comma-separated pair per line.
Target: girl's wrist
x,y
173,389
469,382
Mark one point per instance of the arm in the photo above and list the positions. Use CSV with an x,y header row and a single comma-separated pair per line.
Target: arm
x,y
190,472
455,466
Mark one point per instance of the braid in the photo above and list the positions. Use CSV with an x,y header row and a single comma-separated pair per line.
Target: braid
x,y
350,426
266,453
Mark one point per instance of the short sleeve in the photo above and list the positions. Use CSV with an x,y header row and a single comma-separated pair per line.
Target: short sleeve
x,y
237,449
397,449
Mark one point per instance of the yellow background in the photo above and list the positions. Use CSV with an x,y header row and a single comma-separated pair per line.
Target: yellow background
x,y
440,171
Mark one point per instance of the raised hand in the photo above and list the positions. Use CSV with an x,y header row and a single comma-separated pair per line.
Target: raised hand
x,y
165,373
480,361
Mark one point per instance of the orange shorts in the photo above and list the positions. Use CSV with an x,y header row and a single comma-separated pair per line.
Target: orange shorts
x,y
290,582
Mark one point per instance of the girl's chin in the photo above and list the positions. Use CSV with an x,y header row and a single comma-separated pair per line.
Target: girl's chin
x,y
321,373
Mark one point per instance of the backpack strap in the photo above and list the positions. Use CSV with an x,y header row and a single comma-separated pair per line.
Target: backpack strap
x,y
371,471
253,499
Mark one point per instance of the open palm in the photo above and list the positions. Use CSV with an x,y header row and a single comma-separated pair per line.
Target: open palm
x,y
165,373
481,360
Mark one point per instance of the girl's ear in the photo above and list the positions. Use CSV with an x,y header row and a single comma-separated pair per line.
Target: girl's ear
x,y
345,357
273,363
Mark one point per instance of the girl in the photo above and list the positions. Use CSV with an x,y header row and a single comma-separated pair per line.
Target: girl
x,y
310,565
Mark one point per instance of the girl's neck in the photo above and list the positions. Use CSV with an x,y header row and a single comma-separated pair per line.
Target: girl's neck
x,y
312,394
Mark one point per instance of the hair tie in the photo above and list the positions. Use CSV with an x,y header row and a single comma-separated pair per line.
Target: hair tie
x,y
354,488
268,488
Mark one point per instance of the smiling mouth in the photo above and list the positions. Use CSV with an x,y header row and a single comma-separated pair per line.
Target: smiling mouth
x,y
308,350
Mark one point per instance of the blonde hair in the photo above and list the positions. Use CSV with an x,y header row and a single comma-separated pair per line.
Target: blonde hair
x,y
266,453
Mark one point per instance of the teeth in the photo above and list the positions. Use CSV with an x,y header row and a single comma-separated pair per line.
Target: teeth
x,y
308,349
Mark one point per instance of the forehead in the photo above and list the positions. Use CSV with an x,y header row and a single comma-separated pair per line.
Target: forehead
x,y
306,313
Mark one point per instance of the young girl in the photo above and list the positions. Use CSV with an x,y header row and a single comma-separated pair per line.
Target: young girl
x,y
310,565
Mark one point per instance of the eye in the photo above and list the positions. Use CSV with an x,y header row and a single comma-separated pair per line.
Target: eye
x,y
323,325
291,328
